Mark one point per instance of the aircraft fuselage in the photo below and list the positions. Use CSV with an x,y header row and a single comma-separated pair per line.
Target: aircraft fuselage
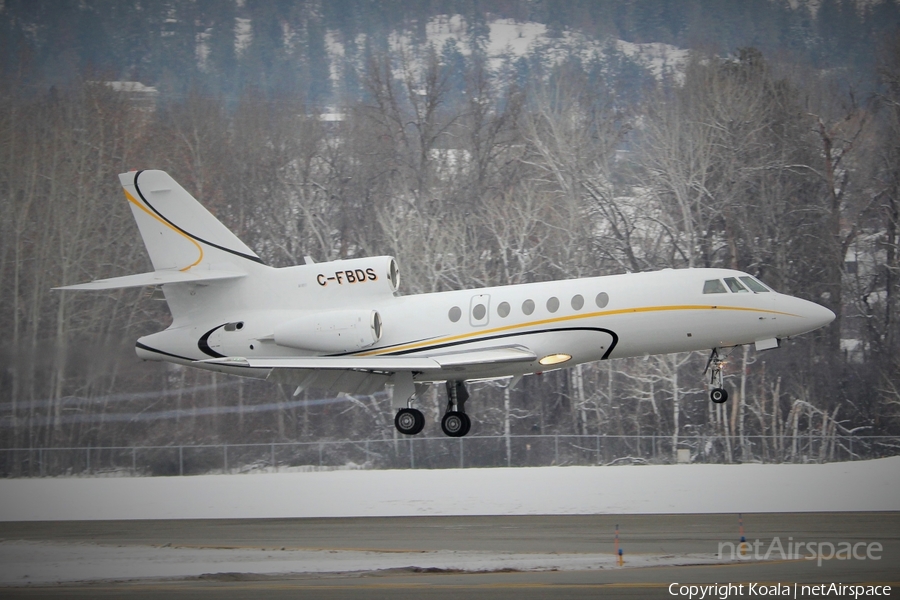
x,y
587,319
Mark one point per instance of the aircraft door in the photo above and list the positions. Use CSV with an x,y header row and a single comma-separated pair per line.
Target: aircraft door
x,y
479,310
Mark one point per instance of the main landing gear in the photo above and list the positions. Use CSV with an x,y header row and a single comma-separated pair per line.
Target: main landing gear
x,y
409,421
718,394
455,423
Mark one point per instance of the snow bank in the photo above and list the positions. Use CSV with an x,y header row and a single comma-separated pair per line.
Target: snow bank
x,y
850,486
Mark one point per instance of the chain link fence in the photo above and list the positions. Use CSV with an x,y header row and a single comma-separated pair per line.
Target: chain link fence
x,y
436,453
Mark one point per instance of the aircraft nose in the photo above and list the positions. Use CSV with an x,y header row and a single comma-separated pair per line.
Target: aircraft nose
x,y
820,315
815,315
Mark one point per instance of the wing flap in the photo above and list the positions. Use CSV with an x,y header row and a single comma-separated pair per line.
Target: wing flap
x,y
485,356
386,364
154,278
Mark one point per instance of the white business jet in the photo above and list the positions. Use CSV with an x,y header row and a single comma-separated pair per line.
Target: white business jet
x,y
342,325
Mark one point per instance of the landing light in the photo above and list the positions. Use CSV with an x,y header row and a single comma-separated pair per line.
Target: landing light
x,y
555,359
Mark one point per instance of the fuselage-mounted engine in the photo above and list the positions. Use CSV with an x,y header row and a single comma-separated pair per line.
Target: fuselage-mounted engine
x,y
331,331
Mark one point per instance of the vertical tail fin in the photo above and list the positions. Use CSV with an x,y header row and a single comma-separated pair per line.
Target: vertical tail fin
x,y
179,233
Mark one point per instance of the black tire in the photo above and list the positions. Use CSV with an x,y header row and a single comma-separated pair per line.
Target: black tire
x,y
455,424
719,395
409,421
468,425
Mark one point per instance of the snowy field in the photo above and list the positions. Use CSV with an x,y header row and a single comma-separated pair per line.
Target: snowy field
x,y
644,489
33,563
856,486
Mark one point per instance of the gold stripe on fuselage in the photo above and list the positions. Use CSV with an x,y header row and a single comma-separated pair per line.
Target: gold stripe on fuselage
x,y
606,313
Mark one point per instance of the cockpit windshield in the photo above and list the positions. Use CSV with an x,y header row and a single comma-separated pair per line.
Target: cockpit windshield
x,y
715,286
754,285
734,285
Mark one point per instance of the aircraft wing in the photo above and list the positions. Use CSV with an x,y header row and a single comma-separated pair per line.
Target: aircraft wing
x,y
386,364
154,278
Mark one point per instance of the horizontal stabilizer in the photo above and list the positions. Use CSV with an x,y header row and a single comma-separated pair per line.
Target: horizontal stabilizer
x,y
386,364
154,278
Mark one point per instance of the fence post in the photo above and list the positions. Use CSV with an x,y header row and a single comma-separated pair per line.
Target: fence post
x,y
462,454
274,464
133,461
556,449
88,455
41,458
225,457
181,460
320,454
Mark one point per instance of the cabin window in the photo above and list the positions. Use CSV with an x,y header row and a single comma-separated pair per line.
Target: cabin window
x,y
754,285
528,307
503,309
577,301
714,286
478,312
553,304
734,285
455,314
602,300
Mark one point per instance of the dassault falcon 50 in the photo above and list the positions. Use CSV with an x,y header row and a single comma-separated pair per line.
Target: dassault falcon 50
x,y
342,325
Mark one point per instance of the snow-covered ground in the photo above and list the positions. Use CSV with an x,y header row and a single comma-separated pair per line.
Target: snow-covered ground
x,y
30,563
640,489
854,486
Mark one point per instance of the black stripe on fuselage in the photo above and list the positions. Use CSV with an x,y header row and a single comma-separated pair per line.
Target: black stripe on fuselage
x,y
255,259
203,343
149,349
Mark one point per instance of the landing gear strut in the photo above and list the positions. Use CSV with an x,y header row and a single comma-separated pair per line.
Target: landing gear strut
x,y
408,421
456,422
718,394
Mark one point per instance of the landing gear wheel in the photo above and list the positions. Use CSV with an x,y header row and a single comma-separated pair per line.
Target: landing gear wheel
x,y
468,426
409,421
719,395
456,424
714,366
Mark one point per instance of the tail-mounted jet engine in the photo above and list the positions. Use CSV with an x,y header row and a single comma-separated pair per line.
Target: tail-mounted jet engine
x,y
332,331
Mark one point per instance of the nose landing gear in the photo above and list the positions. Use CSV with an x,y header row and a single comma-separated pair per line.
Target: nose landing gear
x,y
718,394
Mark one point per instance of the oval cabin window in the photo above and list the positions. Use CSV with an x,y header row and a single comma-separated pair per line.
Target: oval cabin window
x,y
553,304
